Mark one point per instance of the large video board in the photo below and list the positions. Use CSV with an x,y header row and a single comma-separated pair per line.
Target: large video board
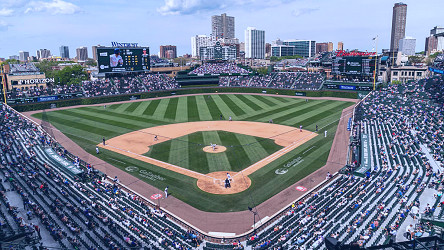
x,y
354,65
118,60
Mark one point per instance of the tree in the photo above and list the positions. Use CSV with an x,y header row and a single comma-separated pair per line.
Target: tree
x,y
415,59
262,70
91,62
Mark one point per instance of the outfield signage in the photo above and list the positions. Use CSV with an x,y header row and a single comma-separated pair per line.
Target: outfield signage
x,y
365,155
341,53
65,164
347,87
285,167
300,94
439,71
47,98
36,81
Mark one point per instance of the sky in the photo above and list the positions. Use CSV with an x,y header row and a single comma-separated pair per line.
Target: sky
x,y
29,25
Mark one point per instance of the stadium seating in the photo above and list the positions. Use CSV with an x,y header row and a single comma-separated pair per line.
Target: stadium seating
x,y
218,68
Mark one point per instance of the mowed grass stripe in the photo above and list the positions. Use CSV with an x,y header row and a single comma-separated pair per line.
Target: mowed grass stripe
x,y
219,161
160,151
122,107
237,152
114,106
129,117
212,107
233,106
132,107
298,112
179,152
247,109
323,114
101,120
151,107
247,101
171,109
297,117
82,126
161,109
193,112
182,110
254,150
197,159
223,107
260,104
265,100
142,107
260,116
281,99
204,112
91,139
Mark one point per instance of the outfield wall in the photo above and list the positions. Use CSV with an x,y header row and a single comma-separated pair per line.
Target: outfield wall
x,y
117,98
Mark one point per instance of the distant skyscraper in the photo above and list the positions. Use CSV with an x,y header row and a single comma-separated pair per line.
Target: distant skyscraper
x,y
222,26
254,43
399,19
407,46
199,41
323,47
94,51
438,33
64,51
23,56
431,44
14,57
340,46
168,51
43,53
82,53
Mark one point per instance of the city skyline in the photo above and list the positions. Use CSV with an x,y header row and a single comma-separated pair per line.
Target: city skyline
x,y
31,25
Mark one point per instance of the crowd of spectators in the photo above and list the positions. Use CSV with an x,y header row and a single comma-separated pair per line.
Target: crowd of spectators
x,y
101,87
280,80
292,63
404,124
439,62
87,211
219,68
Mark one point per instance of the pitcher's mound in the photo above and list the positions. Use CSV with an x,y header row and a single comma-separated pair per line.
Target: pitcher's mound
x,y
215,183
218,149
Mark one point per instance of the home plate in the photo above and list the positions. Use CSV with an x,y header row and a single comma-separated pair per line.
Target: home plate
x,y
301,188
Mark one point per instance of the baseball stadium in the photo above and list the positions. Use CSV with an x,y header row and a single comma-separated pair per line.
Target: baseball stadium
x,y
306,154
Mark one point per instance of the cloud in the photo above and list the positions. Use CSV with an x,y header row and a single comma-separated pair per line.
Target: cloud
x,y
3,25
187,7
53,7
303,11
6,12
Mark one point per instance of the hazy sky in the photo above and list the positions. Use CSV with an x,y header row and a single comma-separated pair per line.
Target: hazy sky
x,y
31,25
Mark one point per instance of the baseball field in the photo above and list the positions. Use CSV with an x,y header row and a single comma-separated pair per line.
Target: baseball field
x,y
167,142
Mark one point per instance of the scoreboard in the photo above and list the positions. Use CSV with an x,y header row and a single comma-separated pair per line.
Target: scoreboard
x,y
354,66
120,60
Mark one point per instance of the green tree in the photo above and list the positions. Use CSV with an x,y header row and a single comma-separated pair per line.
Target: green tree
x,y
91,62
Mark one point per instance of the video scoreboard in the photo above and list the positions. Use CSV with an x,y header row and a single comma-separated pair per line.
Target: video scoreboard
x,y
354,65
120,60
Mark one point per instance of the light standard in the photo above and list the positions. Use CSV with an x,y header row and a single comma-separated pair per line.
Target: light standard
x,y
254,219
376,63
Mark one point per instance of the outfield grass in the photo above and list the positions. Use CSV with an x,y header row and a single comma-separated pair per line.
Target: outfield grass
x,y
86,126
186,151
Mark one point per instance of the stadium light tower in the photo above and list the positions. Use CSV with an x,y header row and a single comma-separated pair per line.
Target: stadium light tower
x,y
376,62
254,219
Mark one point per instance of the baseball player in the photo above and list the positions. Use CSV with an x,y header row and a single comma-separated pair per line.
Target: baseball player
x,y
97,150
166,192
213,146
325,133
155,138
115,58
300,128
229,119
103,141
229,177
316,127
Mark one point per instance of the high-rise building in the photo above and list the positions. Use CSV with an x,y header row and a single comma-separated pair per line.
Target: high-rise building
x,y
222,26
321,47
94,51
254,43
168,51
199,41
438,33
340,46
330,47
23,56
14,57
431,44
43,53
407,46
399,19
82,53
218,52
304,48
64,51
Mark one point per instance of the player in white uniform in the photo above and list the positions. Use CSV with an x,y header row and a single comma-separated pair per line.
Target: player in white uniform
x,y
115,58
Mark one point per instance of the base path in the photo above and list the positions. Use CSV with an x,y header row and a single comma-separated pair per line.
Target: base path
x,y
137,143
